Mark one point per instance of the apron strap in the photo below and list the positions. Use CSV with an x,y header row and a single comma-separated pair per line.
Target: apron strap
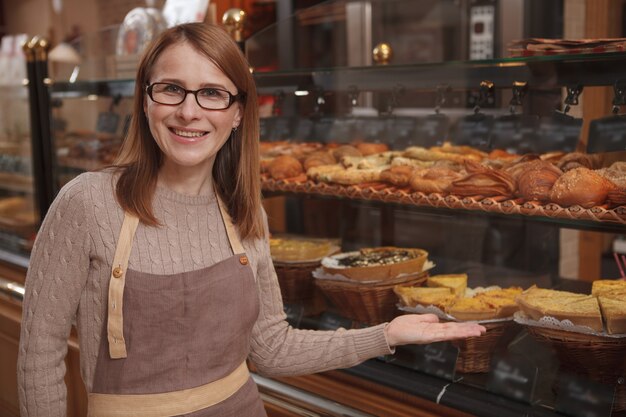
x,y
233,236
115,323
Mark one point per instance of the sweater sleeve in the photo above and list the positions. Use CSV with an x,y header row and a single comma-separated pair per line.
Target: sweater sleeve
x,y
56,276
277,349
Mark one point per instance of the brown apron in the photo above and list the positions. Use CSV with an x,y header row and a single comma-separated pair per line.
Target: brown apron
x,y
177,344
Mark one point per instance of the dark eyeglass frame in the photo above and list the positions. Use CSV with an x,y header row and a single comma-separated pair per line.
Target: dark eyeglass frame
x,y
231,97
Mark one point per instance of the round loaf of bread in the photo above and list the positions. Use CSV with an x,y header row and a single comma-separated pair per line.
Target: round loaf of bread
x,y
581,186
371,148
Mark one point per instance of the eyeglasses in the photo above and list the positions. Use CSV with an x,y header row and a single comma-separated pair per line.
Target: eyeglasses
x,y
208,98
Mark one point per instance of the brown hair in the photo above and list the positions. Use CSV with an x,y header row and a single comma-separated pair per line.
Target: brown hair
x,y
236,168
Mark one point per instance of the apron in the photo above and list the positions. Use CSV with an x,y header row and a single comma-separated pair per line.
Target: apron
x,y
177,344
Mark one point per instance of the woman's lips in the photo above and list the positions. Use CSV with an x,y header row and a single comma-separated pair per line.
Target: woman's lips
x,y
187,136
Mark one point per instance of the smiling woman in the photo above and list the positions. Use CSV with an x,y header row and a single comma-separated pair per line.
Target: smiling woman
x,y
163,260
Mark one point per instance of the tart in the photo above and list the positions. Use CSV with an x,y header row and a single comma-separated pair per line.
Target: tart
x,y
456,282
375,264
425,296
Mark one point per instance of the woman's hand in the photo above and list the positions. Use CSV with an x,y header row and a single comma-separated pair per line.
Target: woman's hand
x,y
426,328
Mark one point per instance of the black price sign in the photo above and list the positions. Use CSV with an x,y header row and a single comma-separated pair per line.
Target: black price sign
x,y
265,128
514,133
370,129
281,128
400,131
579,397
607,134
474,130
431,130
513,376
341,130
303,130
294,314
558,132
331,321
108,122
438,359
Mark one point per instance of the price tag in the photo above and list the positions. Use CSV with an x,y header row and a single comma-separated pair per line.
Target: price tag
x,y
432,130
579,397
281,128
401,132
303,130
514,133
474,131
107,122
265,128
438,359
294,313
513,376
369,129
331,321
558,132
607,134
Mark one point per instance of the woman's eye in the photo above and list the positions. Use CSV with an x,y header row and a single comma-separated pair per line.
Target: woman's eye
x,y
209,92
172,88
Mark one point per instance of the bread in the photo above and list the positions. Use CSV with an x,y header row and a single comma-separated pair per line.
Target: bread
x,y
424,154
321,172
456,282
285,166
581,186
483,181
398,175
345,150
372,148
503,300
575,160
349,176
425,296
319,158
534,300
613,309
582,312
371,161
433,180
608,286
472,309
375,264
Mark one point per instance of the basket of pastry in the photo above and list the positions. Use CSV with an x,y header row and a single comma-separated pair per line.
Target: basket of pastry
x,y
360,284
294,259
587,331
448,297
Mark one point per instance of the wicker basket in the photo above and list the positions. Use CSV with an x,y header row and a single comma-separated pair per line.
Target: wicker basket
x,y
369,303
602,359
475,352
297,286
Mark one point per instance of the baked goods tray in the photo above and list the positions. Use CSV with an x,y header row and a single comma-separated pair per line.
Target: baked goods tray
x,y
500,205
445,316
564,327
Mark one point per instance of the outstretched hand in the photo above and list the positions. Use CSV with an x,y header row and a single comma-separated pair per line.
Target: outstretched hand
x,y
426,328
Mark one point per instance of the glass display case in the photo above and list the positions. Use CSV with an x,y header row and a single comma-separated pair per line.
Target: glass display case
x,y
425,81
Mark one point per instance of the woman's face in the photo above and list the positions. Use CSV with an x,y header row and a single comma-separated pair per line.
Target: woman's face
x,y
188,135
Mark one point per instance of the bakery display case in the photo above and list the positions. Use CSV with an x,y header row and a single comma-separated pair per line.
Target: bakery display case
x,y
409,134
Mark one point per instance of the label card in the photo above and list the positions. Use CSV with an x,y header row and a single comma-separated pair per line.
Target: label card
x,y
438,359
281,128
401,132
607,134
303,130
558,132
369,129
513,376
331,321
578,397
514,133
431,130
108,122
474,131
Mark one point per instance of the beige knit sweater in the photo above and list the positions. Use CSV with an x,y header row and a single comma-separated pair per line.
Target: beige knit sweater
x,y
68,281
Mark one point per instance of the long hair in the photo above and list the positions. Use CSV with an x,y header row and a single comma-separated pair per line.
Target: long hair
x,y
236,168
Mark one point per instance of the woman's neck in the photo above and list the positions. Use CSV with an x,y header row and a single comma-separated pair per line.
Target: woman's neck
x,y
187,180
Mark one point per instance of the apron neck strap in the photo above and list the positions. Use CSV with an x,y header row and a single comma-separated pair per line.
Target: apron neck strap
x,y
233,236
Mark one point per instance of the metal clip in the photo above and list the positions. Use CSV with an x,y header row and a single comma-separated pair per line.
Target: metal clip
x,y
619,89
442,96
572,96
486,93
519,91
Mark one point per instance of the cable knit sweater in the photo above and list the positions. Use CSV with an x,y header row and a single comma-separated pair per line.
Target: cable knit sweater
x,y
68,281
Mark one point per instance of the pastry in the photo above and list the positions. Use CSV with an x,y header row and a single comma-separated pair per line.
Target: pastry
x,y
471,309
433,180
425,296
535,183
581,186
345,150
365,162
371,148
483,181
398,175
503,300
575,160
285,166
608,286
457,283
614,312
319,158
423,154
370,264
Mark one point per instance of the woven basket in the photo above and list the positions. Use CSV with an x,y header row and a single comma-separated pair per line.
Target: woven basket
x,y
475,352
369,303
602,359
297,286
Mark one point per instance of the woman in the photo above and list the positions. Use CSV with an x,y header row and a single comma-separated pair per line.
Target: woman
x,y
164,263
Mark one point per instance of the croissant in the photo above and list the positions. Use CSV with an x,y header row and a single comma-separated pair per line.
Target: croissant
x,y
433,180
399,175
371,148
483,181
285,166
536,182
